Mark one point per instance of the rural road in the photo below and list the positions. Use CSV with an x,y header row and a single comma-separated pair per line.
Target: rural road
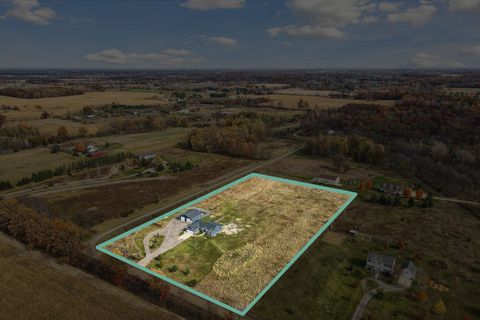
x,y
214,184
171,233
80,185
357,315
457,201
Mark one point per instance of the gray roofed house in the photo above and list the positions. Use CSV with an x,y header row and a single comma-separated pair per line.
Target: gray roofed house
x,y
146,156
210,228
407,274
380,263
192,215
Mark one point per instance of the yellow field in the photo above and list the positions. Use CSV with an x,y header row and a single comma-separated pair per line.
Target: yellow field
x,y
291,100
33,286
31,109
294,214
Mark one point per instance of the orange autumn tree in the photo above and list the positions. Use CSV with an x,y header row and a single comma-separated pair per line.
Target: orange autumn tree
x,y
419,194
79,147
407,192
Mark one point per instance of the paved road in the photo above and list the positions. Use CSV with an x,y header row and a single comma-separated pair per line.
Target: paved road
x,y
458,201
171,232
357,315
212,184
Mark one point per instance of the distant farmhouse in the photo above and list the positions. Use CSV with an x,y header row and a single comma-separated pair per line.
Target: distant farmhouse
x,y
407,274
147,156
196,226
379,263
326,179
391,188
91,147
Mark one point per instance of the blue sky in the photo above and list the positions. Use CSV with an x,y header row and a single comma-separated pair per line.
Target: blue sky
x,y
239,34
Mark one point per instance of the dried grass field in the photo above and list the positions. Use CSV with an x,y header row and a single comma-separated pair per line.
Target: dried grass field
x,y
291,215
34,286
268,224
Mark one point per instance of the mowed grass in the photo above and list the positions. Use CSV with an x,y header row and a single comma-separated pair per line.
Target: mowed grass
x,y
31,109
199,253
33,286
320,283
291,101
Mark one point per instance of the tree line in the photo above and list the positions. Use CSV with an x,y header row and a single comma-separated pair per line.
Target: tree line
x,y
434,138
358,148
40,92
238,137
56,236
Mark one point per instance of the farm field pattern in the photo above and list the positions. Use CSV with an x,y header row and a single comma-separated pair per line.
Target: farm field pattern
x,y
267,223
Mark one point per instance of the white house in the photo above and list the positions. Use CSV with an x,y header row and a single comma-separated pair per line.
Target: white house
x,y
327,179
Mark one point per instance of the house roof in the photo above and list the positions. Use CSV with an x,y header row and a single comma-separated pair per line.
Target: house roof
x,y
147,154
193,214
210,227
379,258
410,266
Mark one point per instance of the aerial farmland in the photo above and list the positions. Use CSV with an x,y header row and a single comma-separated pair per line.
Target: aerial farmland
x,y
234,242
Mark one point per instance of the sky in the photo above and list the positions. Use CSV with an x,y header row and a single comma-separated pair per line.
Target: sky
x,y
243,34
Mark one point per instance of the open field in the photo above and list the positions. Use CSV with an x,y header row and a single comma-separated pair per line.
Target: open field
x,y
23,163
96,205
266,223
31,109
20,164
442,241
291,100
34,286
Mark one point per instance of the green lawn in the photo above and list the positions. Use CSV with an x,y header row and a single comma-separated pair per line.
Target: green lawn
x,y
327,278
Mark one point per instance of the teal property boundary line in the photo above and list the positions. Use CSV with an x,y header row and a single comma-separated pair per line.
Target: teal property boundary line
x,y
101,247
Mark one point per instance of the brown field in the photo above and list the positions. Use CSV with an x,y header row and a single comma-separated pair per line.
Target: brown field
x,y
291,100
93,206
33,286
273,221
31,109
294,214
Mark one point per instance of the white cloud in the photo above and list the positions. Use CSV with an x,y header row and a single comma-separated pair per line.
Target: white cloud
x,y
464,5
315,31
426,60
178,52
166,58
388,6
475,50
369,19
326,18
205,5
224,41
414,16
30,10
